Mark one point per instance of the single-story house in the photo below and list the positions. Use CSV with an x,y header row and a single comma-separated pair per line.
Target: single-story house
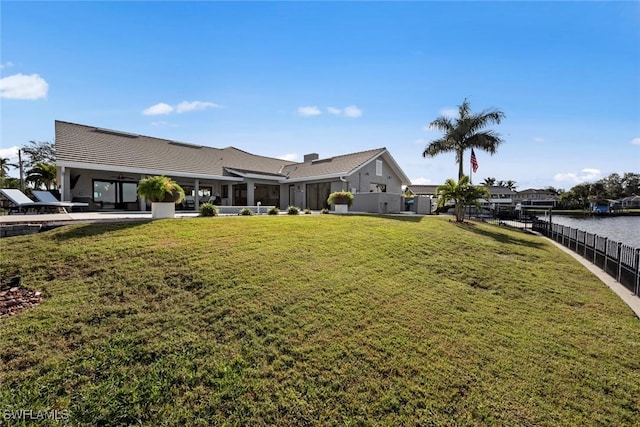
x,y
631,202
103,166
533,197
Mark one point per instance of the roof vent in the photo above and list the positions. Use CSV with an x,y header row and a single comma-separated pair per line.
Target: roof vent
x,y
184,144
311,157
116,133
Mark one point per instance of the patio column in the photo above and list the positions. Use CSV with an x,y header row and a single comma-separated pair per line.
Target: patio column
x,y
197,197
63,181
251,186
142,203
230,193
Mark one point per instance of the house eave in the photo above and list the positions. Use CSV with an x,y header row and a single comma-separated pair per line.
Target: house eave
x,y
254,175
313,178
130,170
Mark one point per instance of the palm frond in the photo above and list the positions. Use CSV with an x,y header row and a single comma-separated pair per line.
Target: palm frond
x,y
487,141
438,146
442,123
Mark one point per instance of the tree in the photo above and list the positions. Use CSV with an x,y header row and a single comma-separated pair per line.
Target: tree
x,y
462,193
489,182
631,184
555,191
42,174
613,187
5,164
465,132
581,194
38,152
511,185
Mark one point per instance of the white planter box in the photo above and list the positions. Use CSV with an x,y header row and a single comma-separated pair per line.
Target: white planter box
x,y
342,208
160,210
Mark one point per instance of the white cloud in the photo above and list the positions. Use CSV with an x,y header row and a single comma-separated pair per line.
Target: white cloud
x,y
10,153
20,86
635,141
162,109
186,106
449,112
158,110
291,157
352,112
585,175
309,111
538,139
6,65
421,181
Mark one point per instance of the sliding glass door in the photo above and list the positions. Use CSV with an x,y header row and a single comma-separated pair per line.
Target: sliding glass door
x,y
115,194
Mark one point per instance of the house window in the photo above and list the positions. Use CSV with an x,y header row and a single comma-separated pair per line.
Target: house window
x,y
377,188
378,167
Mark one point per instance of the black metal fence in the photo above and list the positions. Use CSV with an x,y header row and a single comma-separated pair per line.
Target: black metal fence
x,y
618,260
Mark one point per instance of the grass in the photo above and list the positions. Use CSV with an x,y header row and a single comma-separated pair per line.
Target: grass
x,y
314,320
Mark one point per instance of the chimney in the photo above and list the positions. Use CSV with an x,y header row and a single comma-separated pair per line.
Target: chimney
x,y
311,157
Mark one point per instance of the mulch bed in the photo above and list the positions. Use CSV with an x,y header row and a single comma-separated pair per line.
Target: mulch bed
x,y
15,299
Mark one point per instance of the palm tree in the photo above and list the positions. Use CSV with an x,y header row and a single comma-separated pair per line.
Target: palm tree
x,y
462,193
42,174
511,185
489,182
5,165
465,132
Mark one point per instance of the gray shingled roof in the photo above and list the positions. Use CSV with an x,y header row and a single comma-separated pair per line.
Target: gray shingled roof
x,y
338,165
424,189
87,145
91,145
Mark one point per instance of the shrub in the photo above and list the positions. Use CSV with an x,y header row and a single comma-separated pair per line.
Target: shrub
x,y
245,212
340,198
160,189
293,210
273,211
208,209
324,211
307,211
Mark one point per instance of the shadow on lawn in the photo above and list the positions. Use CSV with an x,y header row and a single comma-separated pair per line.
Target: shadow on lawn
x,y
501,237
399,217
95,229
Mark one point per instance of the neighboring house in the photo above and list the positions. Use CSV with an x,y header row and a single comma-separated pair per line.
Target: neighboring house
x,y
103,166
605,206
631,202
536,197
499,197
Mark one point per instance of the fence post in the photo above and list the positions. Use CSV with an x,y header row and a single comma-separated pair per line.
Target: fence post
x,y
637,293
619,261
584,245
606,250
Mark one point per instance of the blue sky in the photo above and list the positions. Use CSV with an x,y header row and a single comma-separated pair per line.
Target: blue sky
x,y
283,79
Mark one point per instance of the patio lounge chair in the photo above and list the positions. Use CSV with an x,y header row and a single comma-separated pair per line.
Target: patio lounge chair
x,y
47,197
23,204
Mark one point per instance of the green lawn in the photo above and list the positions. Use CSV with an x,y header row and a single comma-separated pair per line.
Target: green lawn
x,y
314,320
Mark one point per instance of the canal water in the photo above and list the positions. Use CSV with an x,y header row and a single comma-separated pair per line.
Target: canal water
x,y
623,229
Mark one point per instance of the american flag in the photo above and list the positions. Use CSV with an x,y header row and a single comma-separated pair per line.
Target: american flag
x,y
474,161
